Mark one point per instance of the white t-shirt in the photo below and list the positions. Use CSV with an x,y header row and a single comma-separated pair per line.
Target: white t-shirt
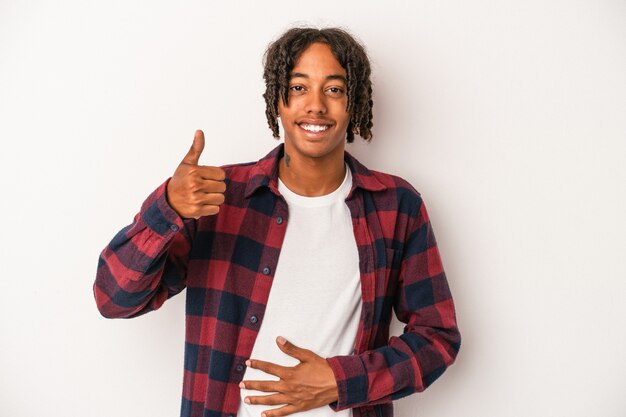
x,y
315,300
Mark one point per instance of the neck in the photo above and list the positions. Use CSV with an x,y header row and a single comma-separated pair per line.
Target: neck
x,y
312,177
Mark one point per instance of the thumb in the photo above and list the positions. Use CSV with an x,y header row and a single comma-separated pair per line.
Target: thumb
x,y
193,156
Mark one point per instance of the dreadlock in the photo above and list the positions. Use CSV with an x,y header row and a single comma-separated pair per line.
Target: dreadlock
x,y
281,56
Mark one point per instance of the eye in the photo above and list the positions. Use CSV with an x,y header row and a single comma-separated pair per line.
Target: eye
x,y
296,89
335,91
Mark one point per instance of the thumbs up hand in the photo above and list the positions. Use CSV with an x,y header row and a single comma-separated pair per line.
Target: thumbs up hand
x,y
194,190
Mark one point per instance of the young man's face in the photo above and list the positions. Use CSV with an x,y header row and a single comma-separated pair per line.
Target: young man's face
x,y
315,121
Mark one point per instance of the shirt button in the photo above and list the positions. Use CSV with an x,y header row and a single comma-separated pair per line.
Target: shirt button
x,y
279,220
254,319
239,368
266,271
174,227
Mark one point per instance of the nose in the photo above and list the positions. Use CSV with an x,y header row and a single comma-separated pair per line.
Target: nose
x,y
316,102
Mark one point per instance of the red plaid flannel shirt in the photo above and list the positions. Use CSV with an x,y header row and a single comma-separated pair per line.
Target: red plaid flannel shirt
x,y
227,263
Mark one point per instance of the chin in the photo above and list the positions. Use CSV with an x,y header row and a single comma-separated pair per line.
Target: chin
x,y
317,149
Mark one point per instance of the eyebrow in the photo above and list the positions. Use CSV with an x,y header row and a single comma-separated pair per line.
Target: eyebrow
x,y
328,77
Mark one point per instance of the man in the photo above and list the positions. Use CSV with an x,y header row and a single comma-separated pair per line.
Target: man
x,y
294,263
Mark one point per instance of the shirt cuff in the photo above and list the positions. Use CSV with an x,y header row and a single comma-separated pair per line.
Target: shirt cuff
x,y
157,214
351,377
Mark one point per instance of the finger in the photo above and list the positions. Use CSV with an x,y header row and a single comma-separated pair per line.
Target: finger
x,y
208,187
204,195
200,186
267,367
274,399
211,173
211,186
282,411
263,386
206,210
208,199
292,350
193,156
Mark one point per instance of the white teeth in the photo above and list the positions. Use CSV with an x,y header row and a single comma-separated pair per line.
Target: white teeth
x,y
314,128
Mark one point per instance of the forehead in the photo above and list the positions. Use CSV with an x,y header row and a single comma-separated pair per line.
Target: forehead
x,y
318,60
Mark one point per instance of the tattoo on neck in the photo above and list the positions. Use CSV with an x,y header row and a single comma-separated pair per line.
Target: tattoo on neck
x,y
287,159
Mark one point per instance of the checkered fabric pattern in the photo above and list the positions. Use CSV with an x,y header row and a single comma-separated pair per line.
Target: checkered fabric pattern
x,y
227,262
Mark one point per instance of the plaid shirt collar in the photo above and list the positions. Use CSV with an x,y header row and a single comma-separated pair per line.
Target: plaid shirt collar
x,y
265,174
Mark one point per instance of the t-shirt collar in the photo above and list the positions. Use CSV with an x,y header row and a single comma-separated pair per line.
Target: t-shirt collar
x,y
265,174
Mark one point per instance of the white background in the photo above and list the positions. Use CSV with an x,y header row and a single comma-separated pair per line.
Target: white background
x,y
508,116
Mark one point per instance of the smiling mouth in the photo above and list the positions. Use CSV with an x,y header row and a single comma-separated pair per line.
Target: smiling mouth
x,y
314,128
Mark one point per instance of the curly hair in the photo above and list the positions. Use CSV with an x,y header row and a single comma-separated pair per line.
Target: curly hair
x,y
281,56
